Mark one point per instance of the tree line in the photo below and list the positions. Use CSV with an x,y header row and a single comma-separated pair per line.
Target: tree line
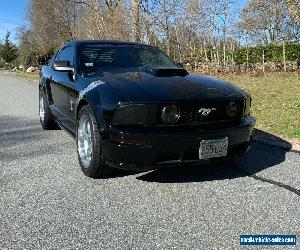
x,y
203,34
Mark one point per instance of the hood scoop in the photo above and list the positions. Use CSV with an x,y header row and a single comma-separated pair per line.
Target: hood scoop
x,y
166,72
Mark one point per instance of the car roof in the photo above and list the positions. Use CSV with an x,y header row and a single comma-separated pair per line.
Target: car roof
x,y
79,42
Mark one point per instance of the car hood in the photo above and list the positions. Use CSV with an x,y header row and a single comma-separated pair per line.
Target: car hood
x,y
143,85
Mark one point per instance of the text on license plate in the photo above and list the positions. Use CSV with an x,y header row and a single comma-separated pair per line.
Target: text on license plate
x,y
213,148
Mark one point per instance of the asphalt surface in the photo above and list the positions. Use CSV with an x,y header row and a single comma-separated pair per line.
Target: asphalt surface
x,y
47,203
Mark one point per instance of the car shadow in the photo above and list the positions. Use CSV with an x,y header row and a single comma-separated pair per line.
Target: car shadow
x,y
19,134
261,156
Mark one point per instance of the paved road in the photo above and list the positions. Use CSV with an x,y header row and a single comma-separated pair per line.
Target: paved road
x,y
47,203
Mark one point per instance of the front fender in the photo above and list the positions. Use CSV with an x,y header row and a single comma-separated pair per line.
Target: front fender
x,y
44,82
91,96
44,85
103,99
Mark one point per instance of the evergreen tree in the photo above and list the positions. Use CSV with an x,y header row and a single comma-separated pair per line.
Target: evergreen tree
x,y
8,51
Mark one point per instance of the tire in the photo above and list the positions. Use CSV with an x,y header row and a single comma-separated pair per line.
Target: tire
x,y
47,120
89,145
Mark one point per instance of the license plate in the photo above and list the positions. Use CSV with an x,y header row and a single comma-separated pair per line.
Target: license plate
x,y
213,148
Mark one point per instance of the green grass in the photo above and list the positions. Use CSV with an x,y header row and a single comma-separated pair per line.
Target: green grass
x,y
276,101
27,76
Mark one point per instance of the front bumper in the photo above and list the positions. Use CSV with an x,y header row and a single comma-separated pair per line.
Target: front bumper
x,y
142,149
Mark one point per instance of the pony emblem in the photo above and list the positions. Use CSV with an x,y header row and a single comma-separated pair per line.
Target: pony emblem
x,y
206,111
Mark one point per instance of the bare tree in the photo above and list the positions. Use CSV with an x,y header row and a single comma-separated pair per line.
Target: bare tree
x,y
135,34
294,10
266,21
103,20
49,19
205,34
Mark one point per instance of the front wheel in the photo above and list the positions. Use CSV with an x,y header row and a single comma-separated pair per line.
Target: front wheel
x,y
89,145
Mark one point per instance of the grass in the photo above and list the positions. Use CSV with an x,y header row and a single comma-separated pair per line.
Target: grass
x,y
276,101
28,76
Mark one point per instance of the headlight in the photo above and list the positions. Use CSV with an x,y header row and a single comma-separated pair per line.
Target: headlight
x,y
232,109
135,114
170,114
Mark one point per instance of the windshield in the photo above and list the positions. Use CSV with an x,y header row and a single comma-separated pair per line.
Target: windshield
x,y
94,56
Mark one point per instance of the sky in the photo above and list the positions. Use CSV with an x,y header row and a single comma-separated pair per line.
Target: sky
x,y
12,14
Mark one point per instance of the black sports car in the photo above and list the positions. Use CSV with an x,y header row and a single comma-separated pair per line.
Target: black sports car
x,y
130,106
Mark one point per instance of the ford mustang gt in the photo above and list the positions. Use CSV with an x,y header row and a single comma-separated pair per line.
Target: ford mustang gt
x,y
130,106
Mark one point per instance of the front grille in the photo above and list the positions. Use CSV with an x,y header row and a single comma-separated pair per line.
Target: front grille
x,y
218,117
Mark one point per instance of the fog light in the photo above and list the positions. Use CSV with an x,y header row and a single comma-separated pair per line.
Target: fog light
x,y
170,114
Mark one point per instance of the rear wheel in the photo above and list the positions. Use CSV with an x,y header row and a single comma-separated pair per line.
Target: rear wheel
x,y
46,118
89,145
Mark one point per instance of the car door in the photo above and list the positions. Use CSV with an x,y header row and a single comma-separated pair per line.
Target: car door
x,y
60,83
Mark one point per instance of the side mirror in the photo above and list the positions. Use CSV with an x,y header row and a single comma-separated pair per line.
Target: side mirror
x,y
180,65
63,66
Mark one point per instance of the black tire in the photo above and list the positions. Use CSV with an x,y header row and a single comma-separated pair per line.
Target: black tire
x,y
96,168
47,120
